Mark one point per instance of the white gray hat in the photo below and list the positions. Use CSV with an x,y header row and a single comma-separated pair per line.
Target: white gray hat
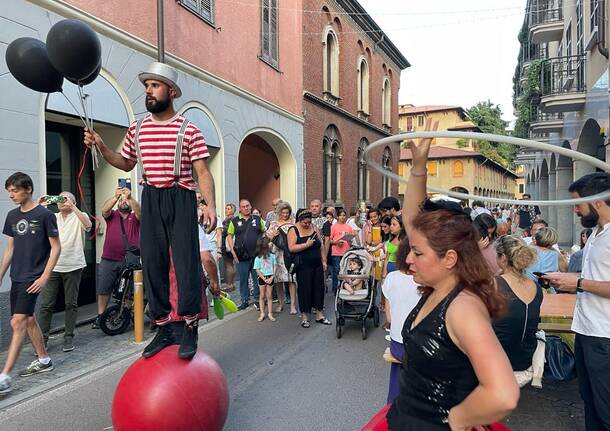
x,y
162,72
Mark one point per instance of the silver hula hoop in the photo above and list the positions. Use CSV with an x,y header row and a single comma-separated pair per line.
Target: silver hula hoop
x,y
492,138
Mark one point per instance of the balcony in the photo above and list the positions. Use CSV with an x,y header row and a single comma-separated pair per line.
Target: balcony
x,y
542,122
545,21
532,52
563,84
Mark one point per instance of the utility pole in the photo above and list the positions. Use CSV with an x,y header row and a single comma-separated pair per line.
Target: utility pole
x,y
160,33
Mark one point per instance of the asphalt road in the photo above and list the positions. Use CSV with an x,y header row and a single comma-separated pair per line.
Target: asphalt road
x,y
280,376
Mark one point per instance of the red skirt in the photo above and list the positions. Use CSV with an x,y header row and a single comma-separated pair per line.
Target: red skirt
x,y
173,295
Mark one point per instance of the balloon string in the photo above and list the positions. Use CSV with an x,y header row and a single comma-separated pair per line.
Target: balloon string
x,y
89,122
82,194
75,110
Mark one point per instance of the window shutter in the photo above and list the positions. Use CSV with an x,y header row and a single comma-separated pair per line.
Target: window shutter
x,y
273,37
265,30
201,8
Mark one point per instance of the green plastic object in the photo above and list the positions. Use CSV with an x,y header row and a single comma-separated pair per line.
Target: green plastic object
x,y
219,311
228,303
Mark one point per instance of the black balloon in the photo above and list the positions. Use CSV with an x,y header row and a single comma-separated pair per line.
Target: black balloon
x,y
89,79
28,61
74,49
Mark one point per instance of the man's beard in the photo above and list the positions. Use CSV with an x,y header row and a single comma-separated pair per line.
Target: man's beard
x,y
124,208
590,220
156,106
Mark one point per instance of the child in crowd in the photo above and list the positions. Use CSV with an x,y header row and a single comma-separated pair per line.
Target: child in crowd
x,y
354,267
264,265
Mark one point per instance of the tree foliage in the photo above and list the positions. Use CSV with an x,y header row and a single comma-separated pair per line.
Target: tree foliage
x,y
488,117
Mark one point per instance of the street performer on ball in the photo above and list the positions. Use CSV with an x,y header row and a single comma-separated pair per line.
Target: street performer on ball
x,y
167,148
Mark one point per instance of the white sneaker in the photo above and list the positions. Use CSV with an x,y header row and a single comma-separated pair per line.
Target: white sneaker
x,y
6,385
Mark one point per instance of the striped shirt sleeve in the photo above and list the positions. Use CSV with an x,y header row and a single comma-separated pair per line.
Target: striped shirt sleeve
x,y
128,150
197,148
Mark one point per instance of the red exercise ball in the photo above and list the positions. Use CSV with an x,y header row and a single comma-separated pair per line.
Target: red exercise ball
x,y
166,393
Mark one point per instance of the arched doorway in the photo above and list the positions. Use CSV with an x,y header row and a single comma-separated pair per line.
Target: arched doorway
x,y
590,142
63,154
267,170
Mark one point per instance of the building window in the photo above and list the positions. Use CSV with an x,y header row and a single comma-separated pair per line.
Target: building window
x,y
204,9
432,167
331,63
458,168
579,28
269,33
363,172
363,86
409,124
386,163
331,173
420,120
594,14
521,188
386,103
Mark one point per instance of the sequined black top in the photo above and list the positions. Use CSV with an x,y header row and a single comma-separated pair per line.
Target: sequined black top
x,y
437,375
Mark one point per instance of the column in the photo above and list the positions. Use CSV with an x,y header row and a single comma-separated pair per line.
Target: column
x,y
565,213
544,196
581,169
552,211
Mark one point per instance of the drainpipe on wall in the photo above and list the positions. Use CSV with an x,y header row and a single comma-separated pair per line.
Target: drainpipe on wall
x,y
160,33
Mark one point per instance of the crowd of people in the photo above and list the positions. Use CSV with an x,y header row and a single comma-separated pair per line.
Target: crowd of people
x,y
461,286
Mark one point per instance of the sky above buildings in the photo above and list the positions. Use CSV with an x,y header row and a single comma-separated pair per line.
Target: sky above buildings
x,y
461,52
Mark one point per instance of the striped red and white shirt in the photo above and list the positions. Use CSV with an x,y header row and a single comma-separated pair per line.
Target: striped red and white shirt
x,y
158,148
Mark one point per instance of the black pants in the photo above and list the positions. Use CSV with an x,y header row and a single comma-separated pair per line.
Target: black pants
x,y
310,288
593,368
169,220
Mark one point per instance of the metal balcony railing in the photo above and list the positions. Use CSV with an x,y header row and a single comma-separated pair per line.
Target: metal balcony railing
x,y
537,116
545,12
560,75
532,51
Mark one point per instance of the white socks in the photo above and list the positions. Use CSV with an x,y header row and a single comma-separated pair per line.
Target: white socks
x,y
45,360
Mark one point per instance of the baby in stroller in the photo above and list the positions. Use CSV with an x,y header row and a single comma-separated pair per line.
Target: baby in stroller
x,y
354,267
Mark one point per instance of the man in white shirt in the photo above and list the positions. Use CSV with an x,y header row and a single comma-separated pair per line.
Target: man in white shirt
x,y
72,224
592,314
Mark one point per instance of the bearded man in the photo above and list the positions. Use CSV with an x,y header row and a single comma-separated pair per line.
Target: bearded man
x,y
167,148
127,212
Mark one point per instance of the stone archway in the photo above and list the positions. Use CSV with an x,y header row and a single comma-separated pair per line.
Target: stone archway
x,y
565,215
590,142
464,190
62,154
543,182
267,169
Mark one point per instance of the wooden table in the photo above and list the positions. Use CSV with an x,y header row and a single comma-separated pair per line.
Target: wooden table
x,y
556,314
558,305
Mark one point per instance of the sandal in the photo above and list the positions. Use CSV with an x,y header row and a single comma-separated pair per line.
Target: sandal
x,y
324,321
261,317
270,316
305,323
279,309
293,312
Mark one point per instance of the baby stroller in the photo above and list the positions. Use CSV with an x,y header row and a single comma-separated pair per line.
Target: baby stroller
x,y
359,305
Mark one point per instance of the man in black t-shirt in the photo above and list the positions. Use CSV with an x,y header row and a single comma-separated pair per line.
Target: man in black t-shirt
x,y
32,251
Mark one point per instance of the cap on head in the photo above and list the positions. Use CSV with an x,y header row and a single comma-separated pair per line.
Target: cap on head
x,y
161,72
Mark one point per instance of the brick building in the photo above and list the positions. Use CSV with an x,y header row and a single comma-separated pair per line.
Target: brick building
x,y
351,78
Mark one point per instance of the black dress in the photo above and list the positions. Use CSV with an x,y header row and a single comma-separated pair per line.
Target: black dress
x,y
437,375
310,277
517,329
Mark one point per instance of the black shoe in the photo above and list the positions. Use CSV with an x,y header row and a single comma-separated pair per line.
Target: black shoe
x,y
96,323
243,306
188,346
163,339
